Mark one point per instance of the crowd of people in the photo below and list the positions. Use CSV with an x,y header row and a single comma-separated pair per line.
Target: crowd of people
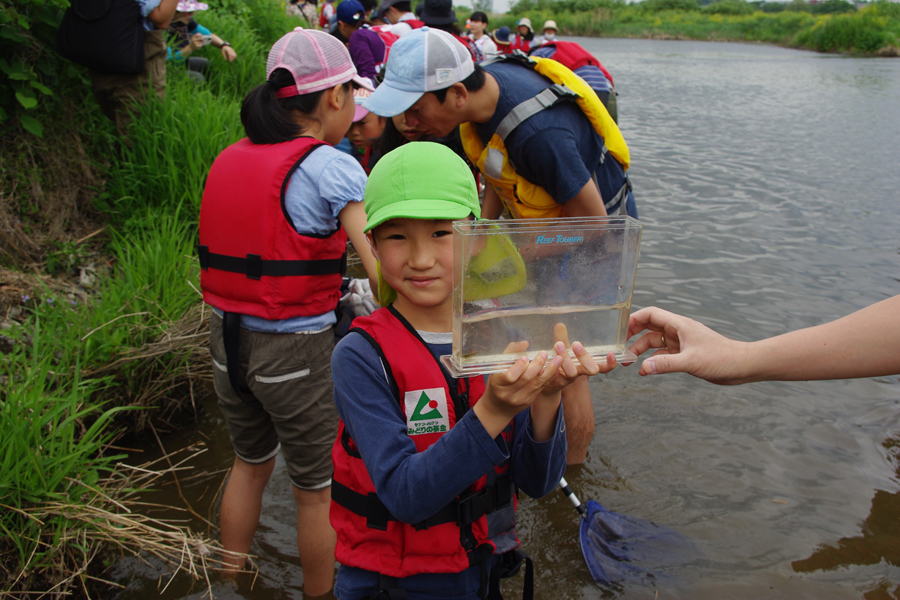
x,y
381,134
380,129
379,126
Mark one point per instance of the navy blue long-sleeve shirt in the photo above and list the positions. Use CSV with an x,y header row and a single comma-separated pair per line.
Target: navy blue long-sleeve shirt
x,y
415,485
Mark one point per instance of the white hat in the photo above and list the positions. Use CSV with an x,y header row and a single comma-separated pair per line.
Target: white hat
x,y
423,60
550,24
317,61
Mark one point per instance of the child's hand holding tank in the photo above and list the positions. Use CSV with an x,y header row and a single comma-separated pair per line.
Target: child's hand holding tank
x,y
536,384
514,390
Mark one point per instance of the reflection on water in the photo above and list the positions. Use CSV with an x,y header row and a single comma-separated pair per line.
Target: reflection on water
x,y
878,543
767,181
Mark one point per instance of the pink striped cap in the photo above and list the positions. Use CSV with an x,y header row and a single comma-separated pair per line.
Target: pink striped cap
x,y
190,6
317,61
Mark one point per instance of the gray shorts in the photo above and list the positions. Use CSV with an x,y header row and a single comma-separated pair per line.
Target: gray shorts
x,y
290,375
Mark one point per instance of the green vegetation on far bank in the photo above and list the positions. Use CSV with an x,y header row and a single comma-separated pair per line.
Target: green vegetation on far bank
x,y
831,26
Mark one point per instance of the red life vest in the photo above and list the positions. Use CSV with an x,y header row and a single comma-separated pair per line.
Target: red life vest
x,y
520,43
253,260
368,536
325,20
471,46
364,160
387,37
414,23
573,56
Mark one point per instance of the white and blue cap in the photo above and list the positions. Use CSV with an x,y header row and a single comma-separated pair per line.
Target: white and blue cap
x,y
423,60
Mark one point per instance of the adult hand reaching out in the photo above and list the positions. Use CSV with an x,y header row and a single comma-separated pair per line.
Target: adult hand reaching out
x,y
685,346
863,344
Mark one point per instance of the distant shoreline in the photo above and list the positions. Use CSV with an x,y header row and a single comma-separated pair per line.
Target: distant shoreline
x,y
872,31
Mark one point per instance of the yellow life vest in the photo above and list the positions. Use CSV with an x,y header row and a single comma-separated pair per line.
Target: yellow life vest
x,y
523,198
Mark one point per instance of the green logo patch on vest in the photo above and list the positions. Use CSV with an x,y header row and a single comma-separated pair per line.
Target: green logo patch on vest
x,y
426,411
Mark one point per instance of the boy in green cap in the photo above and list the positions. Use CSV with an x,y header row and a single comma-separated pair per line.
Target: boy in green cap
x,y
426,466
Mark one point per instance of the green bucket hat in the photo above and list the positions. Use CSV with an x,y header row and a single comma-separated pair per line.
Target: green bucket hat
x,y
419,180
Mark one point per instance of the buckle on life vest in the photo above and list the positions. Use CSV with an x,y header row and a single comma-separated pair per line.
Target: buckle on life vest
x,y
562,92
254,267
484,501
377,514
203,255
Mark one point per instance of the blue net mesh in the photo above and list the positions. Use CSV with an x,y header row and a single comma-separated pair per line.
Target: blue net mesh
x,y
619,549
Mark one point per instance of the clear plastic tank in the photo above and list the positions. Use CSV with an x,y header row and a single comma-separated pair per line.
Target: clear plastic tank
x,y
519,285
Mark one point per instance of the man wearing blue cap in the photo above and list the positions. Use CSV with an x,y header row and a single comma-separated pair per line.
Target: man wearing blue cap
x,y
367,50
541,150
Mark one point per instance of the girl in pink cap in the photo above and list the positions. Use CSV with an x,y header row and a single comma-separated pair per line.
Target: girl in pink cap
x,y
277,211
366,130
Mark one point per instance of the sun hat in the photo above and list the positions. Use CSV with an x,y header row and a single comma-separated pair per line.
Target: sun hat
x,y
438,12
402,185
501,35
351,12
423,60
191,6
316,60
549,24
526,22
358,96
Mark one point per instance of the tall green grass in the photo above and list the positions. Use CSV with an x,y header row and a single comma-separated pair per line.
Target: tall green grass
x,y
173,144
833,26
53,435
866,32
77,365
149,286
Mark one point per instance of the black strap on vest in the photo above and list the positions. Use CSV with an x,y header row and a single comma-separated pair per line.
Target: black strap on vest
x,y
510,563
254,267
231,336
463,510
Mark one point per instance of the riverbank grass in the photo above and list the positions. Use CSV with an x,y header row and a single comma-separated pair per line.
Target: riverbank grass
x,y
119,335
65,490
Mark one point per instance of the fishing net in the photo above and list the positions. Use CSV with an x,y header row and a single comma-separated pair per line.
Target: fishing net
x,y
619,549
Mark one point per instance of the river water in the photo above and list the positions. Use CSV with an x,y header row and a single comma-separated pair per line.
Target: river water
x,y
768,184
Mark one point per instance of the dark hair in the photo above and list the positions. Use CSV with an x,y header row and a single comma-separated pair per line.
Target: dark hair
x,y
473,83
368,4
391,139
270,120
403,7
479,16
448,27
336,32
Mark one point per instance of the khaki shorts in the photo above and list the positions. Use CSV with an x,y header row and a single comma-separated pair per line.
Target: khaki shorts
x,y
290,375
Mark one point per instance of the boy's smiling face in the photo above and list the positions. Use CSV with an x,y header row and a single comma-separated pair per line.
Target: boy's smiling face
x,y
416,257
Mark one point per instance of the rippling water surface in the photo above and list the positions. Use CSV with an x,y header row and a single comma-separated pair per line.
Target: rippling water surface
x,y
769,186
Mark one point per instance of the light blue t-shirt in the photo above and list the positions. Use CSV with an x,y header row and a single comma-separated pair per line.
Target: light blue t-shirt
x,y
147,7
324,183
